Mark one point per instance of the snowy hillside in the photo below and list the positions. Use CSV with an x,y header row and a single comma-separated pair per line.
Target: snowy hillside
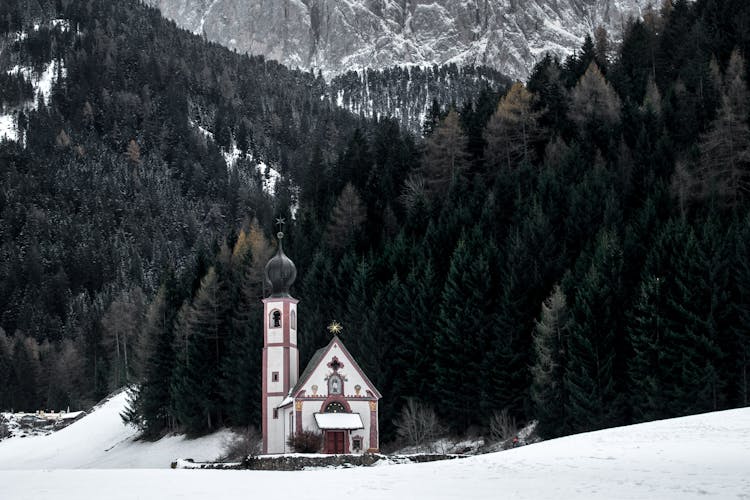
x,y
699,456
340,35
100,440
42,82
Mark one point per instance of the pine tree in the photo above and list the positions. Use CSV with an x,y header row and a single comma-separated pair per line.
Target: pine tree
x,y
647,331
151,405
550,339
593,400
593,102
5,370
25,387
359,322
529,267
550,95
741,332
673,328
346,219
240,367
320,308
195,381
512,131
725,149
413,330
121,324
461,339
445,159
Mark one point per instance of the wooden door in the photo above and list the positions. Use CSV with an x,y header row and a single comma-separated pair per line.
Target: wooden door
x,y
335,442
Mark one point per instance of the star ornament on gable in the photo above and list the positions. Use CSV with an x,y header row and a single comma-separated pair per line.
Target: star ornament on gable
x,y
280,221
335,327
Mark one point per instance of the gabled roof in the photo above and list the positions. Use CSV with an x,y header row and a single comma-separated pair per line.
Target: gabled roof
x,y
319,355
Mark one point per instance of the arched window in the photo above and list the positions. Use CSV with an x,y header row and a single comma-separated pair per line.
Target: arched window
x,y
275,319
335,385
335,407
293,320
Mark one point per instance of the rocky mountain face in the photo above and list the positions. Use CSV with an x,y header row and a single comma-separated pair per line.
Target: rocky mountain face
x,y
335,36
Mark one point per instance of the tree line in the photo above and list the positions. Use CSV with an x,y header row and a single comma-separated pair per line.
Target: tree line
x,y
573,251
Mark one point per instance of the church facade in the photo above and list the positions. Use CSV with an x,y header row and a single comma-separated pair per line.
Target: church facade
x,y
332,396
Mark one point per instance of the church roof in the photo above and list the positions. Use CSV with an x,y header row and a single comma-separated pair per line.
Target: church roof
x,y
318,357
346,421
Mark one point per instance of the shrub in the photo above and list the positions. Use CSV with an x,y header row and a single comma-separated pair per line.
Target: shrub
x,y
245,443
418,425
503,426
306,441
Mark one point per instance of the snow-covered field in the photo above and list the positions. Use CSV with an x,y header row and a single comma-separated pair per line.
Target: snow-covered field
x,y
100,440
703,456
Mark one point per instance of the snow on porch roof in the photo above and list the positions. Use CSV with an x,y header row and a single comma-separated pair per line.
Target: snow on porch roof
x,y
344,421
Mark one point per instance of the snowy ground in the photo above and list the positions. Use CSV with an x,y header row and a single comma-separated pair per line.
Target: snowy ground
x,y
100,440
692,457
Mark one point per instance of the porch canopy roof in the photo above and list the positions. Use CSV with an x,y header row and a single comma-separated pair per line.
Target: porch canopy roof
x,y
339,421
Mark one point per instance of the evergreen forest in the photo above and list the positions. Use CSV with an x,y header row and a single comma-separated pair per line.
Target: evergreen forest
x,y
573,249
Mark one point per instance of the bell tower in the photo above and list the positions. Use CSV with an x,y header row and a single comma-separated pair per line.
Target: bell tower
x,y
280,355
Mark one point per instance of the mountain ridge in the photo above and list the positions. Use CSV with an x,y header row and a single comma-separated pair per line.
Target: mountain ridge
x,y
334,36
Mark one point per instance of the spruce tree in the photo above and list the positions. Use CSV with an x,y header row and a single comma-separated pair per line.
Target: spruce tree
x,y
673,329
550,339
647,327
5,370
593,400
461,339
359,321
196,377
152,403
241,365
740,330
413,330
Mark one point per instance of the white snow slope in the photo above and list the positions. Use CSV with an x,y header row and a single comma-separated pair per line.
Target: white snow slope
x,y
101,440
702,456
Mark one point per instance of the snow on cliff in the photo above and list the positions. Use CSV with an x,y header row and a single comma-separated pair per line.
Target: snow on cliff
x,y
340,35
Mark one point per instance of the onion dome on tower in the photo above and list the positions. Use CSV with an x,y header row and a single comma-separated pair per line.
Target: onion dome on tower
x,y
280,272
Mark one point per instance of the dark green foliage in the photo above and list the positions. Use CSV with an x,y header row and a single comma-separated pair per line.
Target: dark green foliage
x,y
151,406
676,326
195,379
463,332
741,353
413,330
439,270
593,399
551,335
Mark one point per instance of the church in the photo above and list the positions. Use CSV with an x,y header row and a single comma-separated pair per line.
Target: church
x,y
333,396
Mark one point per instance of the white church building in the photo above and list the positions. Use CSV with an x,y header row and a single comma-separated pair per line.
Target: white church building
x,y
333,396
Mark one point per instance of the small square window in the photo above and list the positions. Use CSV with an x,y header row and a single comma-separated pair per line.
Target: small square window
x,y
357,444
275,413
275,377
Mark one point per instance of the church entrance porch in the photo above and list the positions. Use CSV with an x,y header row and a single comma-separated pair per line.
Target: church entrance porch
x,y
336,441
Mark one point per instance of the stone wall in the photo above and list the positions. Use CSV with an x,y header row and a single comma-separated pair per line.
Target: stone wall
x,y
301,462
